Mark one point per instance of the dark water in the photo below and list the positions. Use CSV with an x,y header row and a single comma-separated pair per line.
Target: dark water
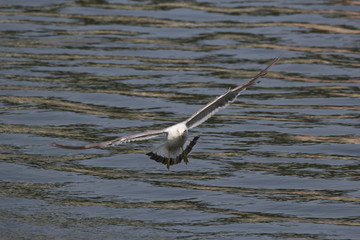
x,y
280,163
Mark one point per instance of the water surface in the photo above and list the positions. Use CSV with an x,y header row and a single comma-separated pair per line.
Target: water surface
x,y
282,162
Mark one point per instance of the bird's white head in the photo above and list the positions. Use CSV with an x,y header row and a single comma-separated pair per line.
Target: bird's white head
x,y
177,131
182,131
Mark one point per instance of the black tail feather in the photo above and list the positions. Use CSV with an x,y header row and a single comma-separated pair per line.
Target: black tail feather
x,y
176,160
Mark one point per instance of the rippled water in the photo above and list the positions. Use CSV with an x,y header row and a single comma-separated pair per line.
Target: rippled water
x,y
280,163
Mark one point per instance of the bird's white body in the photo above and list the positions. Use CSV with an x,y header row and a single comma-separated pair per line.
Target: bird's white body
x,y
176,146
176,135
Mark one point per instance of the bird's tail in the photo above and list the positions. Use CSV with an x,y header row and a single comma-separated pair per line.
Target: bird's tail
x,y
163,155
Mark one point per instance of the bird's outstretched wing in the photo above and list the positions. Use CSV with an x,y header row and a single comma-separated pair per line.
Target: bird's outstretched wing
x,y
117,141
224,100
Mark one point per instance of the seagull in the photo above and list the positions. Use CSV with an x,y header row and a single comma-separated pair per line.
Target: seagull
x,y
177,146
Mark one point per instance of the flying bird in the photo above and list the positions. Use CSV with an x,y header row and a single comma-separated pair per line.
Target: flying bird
x,y
177,146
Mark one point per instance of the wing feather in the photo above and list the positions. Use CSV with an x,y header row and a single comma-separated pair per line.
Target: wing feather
x,y
224,100
131,138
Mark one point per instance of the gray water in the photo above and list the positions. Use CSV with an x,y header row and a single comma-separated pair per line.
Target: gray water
x,y
282,162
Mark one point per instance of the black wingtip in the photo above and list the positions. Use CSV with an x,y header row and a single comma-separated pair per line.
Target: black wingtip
x,y
60,145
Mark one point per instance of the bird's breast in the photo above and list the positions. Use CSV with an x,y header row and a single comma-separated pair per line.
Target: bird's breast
x,y
176,141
